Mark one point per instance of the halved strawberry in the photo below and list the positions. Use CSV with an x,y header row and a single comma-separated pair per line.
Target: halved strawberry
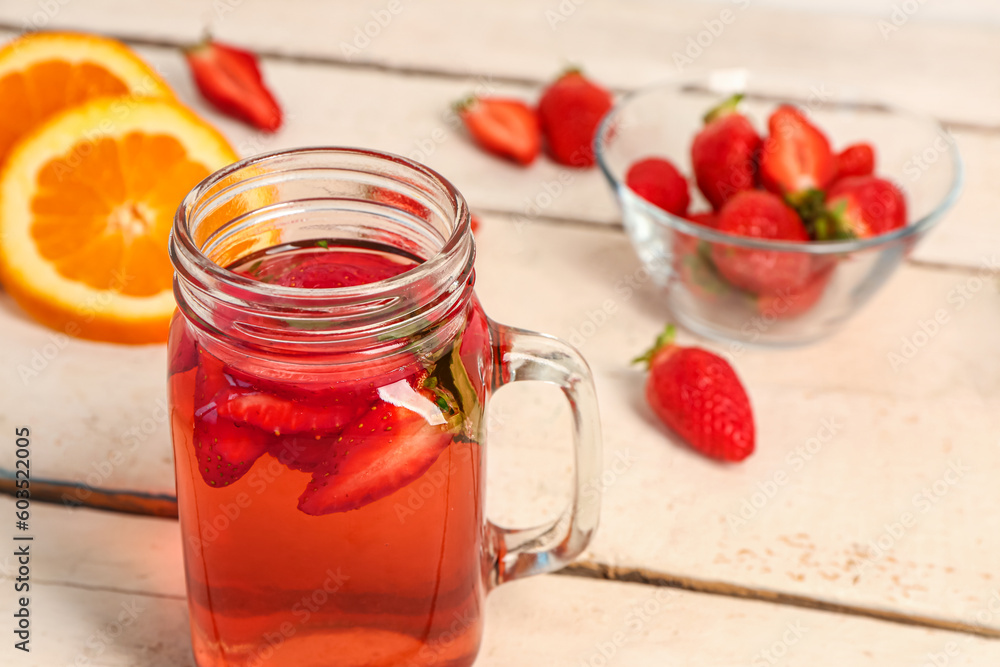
x,y
855,160
506,127
305,452
391,445
230,79
225,451
796,155
280,416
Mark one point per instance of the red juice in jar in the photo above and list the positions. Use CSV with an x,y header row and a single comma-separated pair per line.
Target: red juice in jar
x,y
327,393
331,516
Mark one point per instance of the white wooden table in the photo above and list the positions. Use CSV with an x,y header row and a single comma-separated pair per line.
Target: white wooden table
x,y
799,556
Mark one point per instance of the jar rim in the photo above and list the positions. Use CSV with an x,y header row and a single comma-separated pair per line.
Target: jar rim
x,y
188,258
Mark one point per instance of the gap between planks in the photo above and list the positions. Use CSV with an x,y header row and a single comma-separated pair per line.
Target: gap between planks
x,y
430,72
590,569
166,507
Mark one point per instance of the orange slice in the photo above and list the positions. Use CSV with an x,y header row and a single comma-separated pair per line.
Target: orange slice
x,y
44,73
86,205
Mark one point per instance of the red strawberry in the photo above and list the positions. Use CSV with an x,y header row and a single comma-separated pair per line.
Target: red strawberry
x,y
391,445
303,452
698,395
785,304
862,207
706,218
225,451
570,110
724,153
230,79
280,416
506,127
855,160
761,215
657,181
796,156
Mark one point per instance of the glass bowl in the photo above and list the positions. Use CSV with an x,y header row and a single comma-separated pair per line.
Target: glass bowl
x,y
838,277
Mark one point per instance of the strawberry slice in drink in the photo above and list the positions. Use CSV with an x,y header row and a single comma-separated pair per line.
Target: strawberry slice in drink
x,y
395,442
225,450
279,416
304,432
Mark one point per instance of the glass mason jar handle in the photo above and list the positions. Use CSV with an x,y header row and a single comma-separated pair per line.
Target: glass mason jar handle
x,y
525,355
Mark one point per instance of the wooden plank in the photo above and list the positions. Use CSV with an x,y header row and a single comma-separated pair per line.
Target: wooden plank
x,y
810,502
627,44
423,128
102,596
898,431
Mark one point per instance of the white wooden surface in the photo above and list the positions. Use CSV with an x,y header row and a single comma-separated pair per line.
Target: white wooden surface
x,y
898,430
77,612
933,65
896,433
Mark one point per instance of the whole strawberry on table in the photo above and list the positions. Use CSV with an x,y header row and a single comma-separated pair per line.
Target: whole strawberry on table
x,y
698,395
789,186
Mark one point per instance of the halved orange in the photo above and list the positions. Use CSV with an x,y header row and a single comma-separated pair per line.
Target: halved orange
x,y
86,205
42,74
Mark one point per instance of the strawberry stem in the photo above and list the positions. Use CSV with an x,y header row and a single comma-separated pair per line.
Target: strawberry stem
x,y
665,339
464,103
570,69
724,108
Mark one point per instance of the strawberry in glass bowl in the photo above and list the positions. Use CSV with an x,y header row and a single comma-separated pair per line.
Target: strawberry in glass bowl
x,y
771,209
